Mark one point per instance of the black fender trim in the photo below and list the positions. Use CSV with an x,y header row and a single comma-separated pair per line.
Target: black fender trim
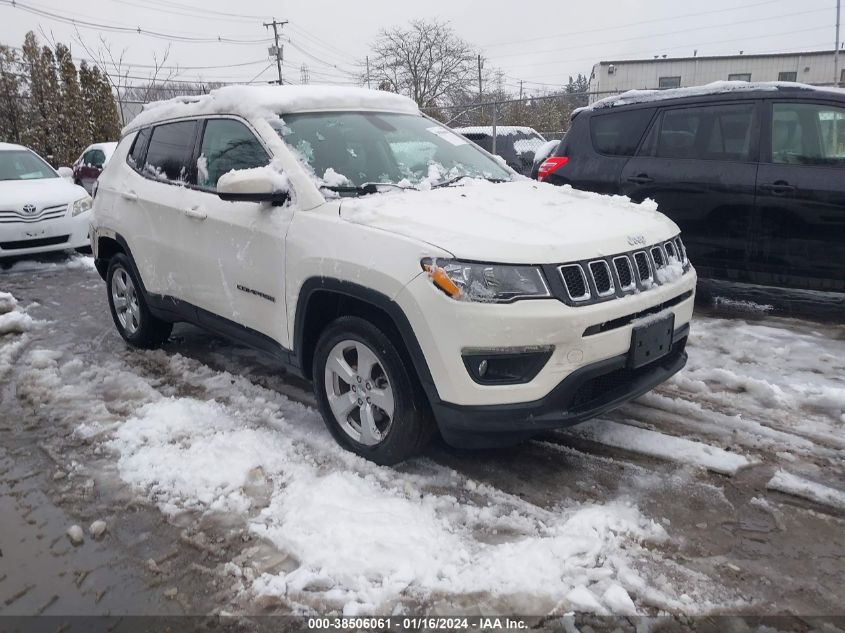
x,y
381,301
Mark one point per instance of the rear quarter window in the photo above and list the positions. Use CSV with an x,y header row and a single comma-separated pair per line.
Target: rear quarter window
x,y
619,133
138,152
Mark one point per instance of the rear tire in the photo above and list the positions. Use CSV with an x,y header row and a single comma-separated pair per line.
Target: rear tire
x,y
129,309
369,401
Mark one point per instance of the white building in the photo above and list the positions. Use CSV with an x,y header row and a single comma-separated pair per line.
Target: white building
x,y
680,72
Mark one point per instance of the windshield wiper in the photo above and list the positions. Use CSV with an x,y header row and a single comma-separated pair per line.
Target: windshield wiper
x,y
452,181
364,189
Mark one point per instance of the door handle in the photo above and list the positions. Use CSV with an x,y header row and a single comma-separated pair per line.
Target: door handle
x,y
779,188
131,196
195,213
641,179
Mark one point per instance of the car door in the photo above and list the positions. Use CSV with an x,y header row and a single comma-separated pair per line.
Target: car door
x,y
239,277
699,163
801,194
152,196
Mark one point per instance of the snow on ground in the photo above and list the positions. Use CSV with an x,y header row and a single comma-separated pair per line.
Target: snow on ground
x,y
775,385
661,445
365,539
806,489
13,323
50,263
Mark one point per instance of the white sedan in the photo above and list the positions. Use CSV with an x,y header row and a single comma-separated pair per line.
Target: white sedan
x,y
39,210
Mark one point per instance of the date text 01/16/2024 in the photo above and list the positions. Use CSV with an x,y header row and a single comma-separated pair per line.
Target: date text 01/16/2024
x,y
479,623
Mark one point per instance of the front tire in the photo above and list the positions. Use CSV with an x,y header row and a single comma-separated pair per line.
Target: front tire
x,y
368,399
129,309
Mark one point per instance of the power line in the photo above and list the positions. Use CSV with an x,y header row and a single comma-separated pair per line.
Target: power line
x,y
97,26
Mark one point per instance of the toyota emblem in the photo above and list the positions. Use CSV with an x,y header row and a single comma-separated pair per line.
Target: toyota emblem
x,y
29,209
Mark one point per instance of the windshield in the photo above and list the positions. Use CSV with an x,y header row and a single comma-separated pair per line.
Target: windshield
x,y
350,149
23,165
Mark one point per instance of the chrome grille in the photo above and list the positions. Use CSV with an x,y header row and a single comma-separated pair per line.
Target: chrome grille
x,y
590,281
19,217
575,282
602,278
624,272
643,267
657,257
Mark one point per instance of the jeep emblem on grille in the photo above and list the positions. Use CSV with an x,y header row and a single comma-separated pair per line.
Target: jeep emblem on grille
x,y
29,209
636,240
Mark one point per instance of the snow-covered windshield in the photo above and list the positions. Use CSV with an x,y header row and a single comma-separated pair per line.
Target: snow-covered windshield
x,y
351,149
23,165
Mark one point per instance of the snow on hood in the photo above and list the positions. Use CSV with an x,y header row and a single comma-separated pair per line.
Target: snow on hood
x,y
264,102
42,192
516,222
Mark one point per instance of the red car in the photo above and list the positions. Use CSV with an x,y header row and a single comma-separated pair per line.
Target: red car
x,y
88,167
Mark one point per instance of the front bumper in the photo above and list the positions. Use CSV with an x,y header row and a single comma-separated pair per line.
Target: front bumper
x,y
587,392
56,234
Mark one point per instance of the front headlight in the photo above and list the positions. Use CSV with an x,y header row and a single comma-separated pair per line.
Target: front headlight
x,y
81,206
490,283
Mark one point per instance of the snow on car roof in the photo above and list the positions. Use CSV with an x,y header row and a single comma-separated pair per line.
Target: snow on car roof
x,y
715,88
501,130
269,101
11,146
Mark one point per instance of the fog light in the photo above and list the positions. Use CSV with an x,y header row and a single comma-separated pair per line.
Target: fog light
x,y
482,368
505,366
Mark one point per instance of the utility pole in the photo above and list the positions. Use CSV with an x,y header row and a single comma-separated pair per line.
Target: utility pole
x,y
277,50
480,92
368,71
836,77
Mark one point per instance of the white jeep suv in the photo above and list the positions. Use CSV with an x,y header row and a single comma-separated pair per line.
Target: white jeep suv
x,y
418,282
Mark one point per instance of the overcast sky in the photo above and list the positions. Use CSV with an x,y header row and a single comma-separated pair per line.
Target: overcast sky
x,y
538,42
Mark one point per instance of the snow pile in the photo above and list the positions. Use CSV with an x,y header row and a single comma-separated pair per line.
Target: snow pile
x,y
12,320
73,261
783,481
255,459
671,272
656,444
267,102
333,179
7,302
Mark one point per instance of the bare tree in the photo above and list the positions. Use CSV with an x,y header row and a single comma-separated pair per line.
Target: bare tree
x,y
426,61
114,67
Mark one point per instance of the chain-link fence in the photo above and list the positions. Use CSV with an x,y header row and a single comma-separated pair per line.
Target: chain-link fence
x,y
515,129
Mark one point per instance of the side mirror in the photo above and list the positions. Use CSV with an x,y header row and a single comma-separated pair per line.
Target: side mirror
x,y
261,184
65,172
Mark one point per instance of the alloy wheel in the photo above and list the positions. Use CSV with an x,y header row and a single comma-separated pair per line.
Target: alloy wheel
x,y
359,392
125,299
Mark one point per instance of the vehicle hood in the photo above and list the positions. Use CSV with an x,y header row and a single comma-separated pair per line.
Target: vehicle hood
x,y
516,222
42,192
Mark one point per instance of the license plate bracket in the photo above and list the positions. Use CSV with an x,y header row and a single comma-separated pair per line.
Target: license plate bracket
x,y
651,341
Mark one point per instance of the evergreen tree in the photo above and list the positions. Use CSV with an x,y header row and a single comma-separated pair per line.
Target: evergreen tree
x,y
36,133
11,101
73,134
89,90
105,115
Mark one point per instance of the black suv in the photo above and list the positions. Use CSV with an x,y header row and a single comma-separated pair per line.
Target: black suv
x,y
754,175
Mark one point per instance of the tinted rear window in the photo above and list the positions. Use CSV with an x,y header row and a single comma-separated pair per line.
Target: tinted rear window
x,y
619,133
170,151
